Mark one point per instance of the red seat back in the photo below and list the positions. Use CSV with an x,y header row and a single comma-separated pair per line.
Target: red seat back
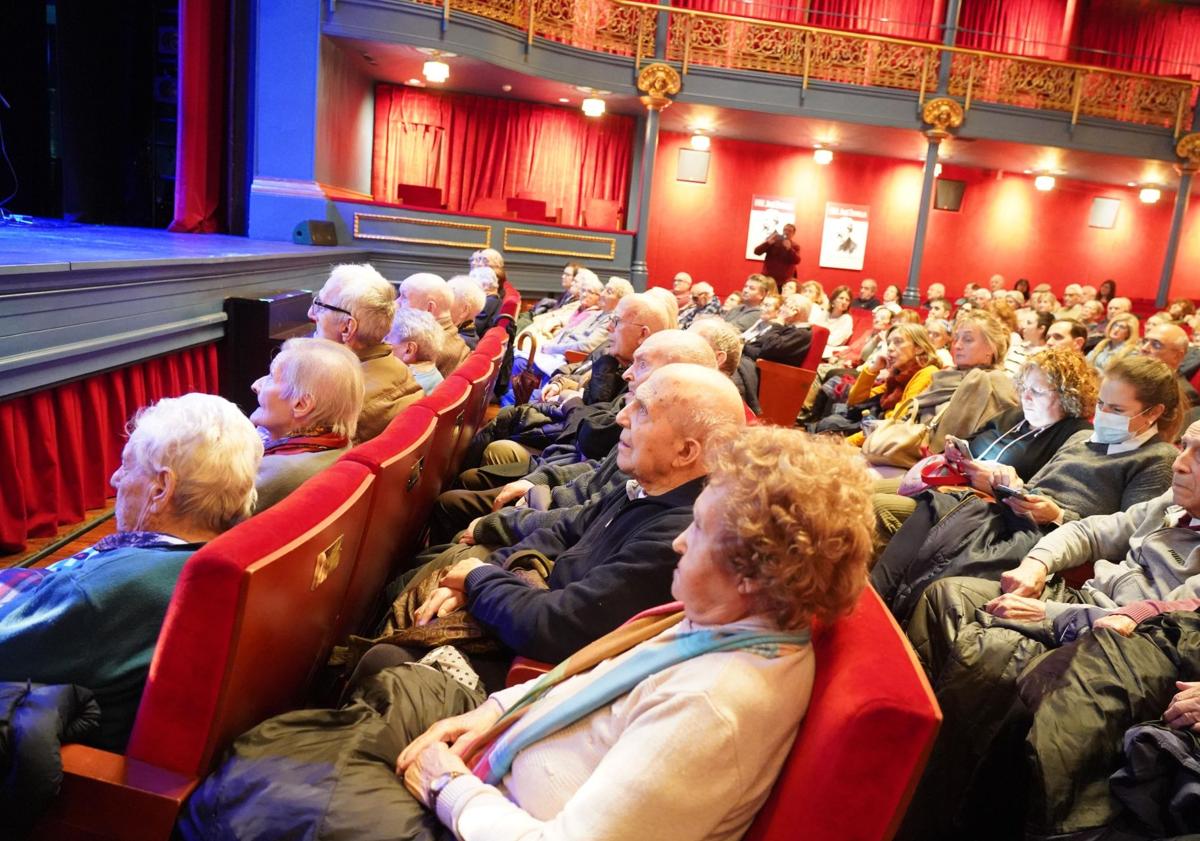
x,y
820,338
449,402
491,206
782,390
864,740
511,305
477,373
397,457
251,620
602,213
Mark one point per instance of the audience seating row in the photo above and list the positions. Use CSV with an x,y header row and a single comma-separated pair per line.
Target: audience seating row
x,y
257,611
782,389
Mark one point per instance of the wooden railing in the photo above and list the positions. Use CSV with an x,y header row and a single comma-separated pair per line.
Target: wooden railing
x,y
628,28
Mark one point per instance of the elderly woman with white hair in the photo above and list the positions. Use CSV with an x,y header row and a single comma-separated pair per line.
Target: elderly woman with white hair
x,y
548,323
489,312
588,335
186,475
355,308
467,301
308,408
416,338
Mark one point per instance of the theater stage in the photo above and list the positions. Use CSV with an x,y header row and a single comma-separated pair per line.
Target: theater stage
x,y
79,299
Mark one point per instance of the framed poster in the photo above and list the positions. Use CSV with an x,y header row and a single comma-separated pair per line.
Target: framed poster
x,y
767,214
844,236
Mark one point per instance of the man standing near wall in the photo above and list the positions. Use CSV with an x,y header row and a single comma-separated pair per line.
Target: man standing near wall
x,y
781,255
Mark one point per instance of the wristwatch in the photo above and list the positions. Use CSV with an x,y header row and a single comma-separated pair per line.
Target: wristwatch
x,y
439,783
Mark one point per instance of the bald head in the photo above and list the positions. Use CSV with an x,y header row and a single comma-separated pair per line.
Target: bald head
x,y
426,291
637,318
666,299
724,339
1167,343
1119,305
668,347
671,418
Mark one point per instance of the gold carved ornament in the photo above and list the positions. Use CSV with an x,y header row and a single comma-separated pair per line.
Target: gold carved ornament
x,y
658,82
943,114
1188,148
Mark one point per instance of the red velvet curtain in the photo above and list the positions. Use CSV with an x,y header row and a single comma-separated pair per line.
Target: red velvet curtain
x,y
61,445
200,131
914,19
1017,27
1139,35
477,147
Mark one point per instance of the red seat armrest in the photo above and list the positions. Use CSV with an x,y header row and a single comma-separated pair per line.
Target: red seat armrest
x,y
523,669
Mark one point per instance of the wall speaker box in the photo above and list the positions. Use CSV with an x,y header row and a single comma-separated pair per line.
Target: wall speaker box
x,y
314,232
1103,213
693,166
948,194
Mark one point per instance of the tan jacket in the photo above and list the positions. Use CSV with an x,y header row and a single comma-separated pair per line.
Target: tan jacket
x,y
454,349
389,388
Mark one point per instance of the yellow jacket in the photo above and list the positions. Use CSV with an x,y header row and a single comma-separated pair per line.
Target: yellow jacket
x,y
864,388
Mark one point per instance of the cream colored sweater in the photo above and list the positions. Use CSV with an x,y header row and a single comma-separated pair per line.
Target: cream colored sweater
x,y
689,753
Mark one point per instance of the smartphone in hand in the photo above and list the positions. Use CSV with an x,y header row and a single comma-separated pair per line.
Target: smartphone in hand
x,y
1003,492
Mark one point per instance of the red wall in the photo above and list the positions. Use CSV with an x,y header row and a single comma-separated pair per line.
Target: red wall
x,y
1004,225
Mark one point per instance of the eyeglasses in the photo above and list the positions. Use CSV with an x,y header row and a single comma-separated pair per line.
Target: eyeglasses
x,y
616,322
317,302
1153,344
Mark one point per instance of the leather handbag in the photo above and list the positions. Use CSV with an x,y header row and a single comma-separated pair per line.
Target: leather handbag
x,y
898,442
526,382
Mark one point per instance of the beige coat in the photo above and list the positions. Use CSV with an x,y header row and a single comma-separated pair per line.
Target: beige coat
x,y
454,349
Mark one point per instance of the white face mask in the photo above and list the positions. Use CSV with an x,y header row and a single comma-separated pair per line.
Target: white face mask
x,y
1111,428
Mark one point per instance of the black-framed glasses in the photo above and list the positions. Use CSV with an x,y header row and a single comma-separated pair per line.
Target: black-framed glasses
x,y
317,302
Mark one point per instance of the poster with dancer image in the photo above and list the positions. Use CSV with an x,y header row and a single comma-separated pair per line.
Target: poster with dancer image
x,y
768,215
844,237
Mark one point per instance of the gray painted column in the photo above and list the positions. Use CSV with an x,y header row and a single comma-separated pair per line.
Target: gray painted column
x,y
1181,204
660,31
912,293
949,36
639,270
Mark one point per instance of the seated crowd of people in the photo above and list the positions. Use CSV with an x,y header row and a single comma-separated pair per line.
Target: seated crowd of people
x,y
1017,476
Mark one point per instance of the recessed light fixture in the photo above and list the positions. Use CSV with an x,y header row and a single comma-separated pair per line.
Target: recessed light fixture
x,y
593,106
506,88
701,141
564,99
1029,172
1045,183
417,83
822,156
435,69
1130,183
1149,195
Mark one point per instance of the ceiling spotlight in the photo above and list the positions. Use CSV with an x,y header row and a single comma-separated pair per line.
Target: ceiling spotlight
x,y
563,99
593,106
1130,183
701,142
436,71
822,156
1045,183
417,83
1149,195
506,88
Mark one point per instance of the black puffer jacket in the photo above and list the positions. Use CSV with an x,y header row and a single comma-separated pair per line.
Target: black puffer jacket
x,y
35,721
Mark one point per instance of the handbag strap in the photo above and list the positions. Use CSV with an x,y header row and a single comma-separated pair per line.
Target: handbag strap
x,y
938,474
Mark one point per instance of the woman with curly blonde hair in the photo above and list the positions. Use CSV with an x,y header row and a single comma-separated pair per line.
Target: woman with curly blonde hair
x,y
676,724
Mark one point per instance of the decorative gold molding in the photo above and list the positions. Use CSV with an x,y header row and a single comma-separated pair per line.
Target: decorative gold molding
x,y
943,113
611,242
1188,148
436,223
659,82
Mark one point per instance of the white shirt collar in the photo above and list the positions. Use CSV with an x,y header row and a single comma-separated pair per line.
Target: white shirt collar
x,y
1133,443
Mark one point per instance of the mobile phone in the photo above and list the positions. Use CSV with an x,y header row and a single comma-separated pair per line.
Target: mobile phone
x,y
1004,492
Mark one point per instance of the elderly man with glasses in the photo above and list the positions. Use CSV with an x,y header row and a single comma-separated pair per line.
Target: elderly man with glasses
x,y
1169,344
355,308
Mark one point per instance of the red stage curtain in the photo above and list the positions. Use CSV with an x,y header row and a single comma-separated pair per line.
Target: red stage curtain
x,y
476,147
200,132
1017,27
63,444
1146,37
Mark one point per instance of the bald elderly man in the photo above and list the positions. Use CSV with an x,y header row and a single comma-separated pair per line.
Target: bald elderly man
x,y
704,302
612,558
588,438
1169,344
355,308
425,291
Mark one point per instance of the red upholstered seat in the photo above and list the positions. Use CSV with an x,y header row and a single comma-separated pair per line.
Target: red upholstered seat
x,y
511,305
448,401
820,338
602,213
476,371
492,206
398,514
419,195
864,740
782,390
251,620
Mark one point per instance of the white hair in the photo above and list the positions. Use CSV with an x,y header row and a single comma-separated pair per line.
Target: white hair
x,y
489,257
666,298
420,328
358,287
468,297
329,373
211,448
620,286
427,287
485,276
586,283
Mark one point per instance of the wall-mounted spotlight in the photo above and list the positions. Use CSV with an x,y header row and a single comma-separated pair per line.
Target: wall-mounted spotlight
x,y
822,157
701,141
1149,195
593,106
1045,183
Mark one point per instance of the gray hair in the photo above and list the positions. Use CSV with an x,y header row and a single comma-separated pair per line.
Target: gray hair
x,y
620,286
468,297
211,448
419,327
587,282
485,276
489,257
584,275
328,372
358,287
721,336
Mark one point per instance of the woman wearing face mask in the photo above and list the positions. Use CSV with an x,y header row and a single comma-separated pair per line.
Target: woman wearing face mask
x,y
1124,460
1058,395
907,363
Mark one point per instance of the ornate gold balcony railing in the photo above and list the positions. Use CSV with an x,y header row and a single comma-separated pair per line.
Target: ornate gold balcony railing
x,y
628,27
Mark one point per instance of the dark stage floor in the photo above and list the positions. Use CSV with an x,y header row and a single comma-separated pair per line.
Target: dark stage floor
x,y
57,246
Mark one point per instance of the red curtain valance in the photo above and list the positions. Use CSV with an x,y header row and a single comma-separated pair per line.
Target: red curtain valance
x,y
1139,35
477,147
61,445
1017,27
